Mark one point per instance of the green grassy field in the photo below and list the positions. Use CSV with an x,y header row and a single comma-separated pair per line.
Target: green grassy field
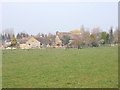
x,y
59,68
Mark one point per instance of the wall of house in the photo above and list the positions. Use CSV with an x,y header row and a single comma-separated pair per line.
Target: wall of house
x,y
24,46
33,43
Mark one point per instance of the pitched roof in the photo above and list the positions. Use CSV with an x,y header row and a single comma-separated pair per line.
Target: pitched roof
x,y
21,41
43,40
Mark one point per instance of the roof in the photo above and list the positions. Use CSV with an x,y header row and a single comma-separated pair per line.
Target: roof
x,y
21,41
43,40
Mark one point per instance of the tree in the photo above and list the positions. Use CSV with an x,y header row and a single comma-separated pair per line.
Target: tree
x,y
18,36
111,36
22,35
42,35
108,39
14,42
93,41
101,41
8,38
82,29
116,35
85,38
9,31
96,32
51,38
2,36
5,36
65,39
76,42
103,37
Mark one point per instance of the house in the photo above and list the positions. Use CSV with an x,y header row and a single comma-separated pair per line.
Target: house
x,y
33,43
44,42
29,43
24,46
23,40
60,35
22,43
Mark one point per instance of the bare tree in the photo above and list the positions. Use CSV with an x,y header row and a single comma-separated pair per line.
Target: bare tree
x,y
116,35
9,31
77,41
96,32
51,38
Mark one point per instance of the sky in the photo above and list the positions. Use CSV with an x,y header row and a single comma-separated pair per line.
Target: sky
x,y
45,17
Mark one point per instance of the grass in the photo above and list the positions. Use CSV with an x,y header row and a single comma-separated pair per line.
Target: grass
x,y
59,68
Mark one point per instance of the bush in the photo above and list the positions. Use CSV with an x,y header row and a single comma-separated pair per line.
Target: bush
x,y
95,44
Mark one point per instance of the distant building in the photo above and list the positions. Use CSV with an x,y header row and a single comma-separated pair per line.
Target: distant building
x,y
33,43
58,42
23,46
44,41
28,43
59,36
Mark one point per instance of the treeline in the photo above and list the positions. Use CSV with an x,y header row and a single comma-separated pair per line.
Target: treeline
x,y
21,35
7,37
85,38
95,38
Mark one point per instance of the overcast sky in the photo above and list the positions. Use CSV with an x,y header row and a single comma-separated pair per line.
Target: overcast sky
x,y
51,17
